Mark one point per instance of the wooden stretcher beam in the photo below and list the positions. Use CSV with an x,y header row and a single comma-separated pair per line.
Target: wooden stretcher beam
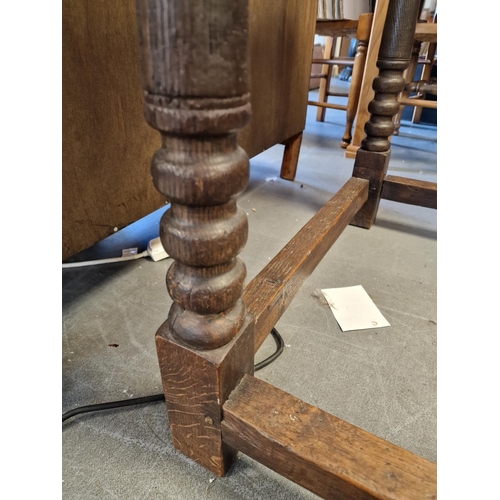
x,y
319,451
338,94
423,103
270,293
340,27
409,191
335,60
342,107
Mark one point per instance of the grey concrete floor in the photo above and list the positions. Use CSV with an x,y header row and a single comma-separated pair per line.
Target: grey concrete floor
x,y
382,380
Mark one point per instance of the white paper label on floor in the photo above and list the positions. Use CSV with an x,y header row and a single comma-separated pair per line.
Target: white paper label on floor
x,y
354,309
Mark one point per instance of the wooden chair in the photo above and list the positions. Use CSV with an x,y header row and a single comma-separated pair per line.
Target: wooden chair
x,y
207,344
424,32
414,93
360,91
335,30
429,53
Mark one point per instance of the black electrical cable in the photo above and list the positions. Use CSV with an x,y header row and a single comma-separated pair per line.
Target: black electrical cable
x,y
280,346
113,404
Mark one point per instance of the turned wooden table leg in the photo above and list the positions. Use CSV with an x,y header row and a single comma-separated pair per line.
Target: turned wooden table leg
x,y
324,84
194,77
372,159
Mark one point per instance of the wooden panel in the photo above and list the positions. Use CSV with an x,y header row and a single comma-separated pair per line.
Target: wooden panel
x,y
270,293
107,146
410,191
281,38
322,453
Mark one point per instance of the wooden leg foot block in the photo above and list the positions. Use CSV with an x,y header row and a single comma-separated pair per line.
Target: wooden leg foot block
x,y
351,150
372,166
196,385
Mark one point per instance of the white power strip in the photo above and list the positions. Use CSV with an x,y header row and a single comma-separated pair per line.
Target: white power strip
x,y
155,250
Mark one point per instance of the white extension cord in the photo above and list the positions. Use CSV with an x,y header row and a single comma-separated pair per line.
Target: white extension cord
x,y
155,250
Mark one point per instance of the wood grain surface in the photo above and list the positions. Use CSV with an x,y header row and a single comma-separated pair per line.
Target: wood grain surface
x,y
194,74
370,165
409,191
269,294
281,40
107,145
196,385
319,451
291,157
336,27
185,50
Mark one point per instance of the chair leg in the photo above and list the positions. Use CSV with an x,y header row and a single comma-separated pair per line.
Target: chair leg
x,y
409,76
324,84
337,46
291,157
426,73
370,72
362,35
